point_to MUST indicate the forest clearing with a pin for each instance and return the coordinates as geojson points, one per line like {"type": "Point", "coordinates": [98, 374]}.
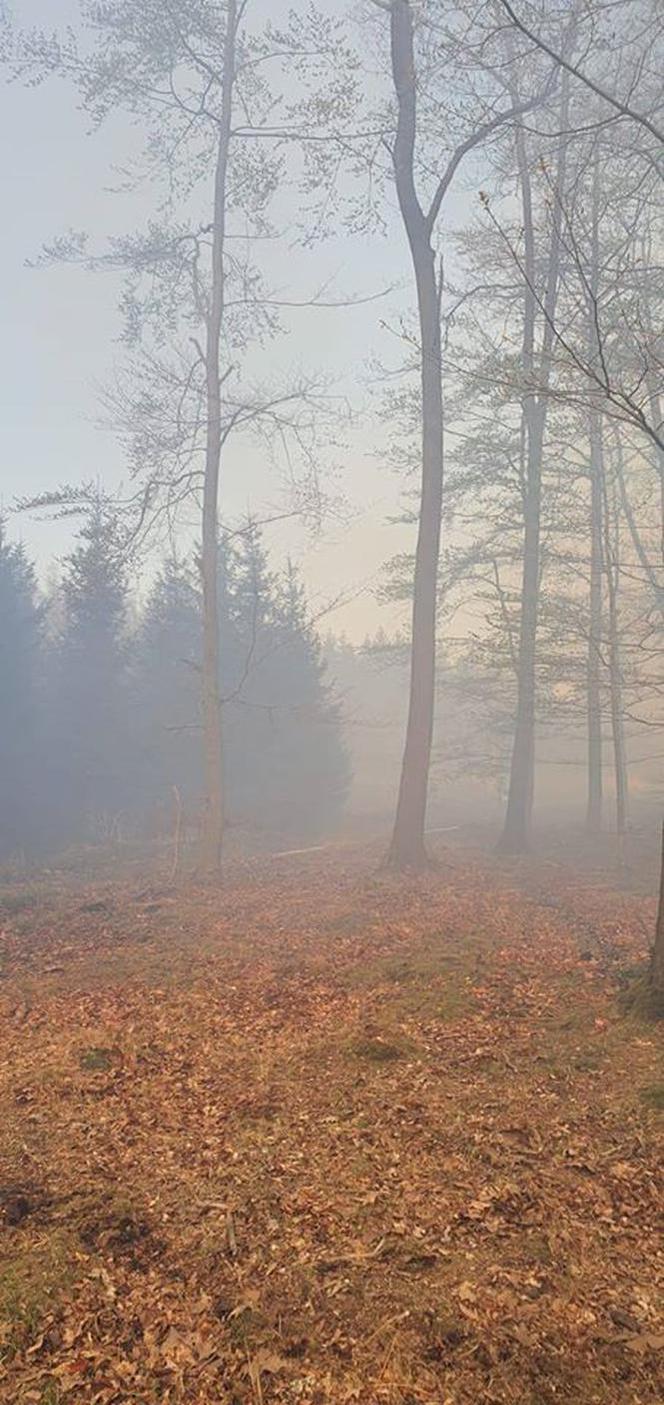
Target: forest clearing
{"type": "Point", "coordinates": [330, 1135]}
{"type": "Point", "coordinates": [332, 702]}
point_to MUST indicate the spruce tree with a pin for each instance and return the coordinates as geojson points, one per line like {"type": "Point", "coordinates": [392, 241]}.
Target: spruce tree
{"type": "Point", "coordinates": [166, 691]}
{"type": "Point", "coordinates": [21, 621]}
{"type": "Point", "coordinates": [246, 591]}
{"type": "Point", "coordinates": [286, 766]}
{"type": "Point", "coordinates": [311, 763]}
{"type": "Point", "coordinates": [90, 696]}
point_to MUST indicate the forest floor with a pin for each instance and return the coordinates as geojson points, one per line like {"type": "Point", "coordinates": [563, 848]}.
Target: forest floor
{"type": "Point", "coordinates": [326, 1135]}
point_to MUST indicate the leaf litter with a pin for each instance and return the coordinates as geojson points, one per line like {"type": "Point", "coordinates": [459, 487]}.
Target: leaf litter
{"type": "Point", "coordinates": [328, 1136]}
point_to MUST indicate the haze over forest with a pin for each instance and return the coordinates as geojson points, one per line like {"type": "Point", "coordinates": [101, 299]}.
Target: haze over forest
{"type": "Point", "coordinates": [529, 193]}
{"type": "Point", "coordinates": [332, 702]}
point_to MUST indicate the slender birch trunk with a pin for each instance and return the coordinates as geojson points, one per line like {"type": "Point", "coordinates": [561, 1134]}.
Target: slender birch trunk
{"type": "Point", "coordinates": [611, 558]}
{"type": "Point", "coordinates": [655, 404]}
{"type": "Point", "coordinates": [594, 664]}
{"type": "Point", "coordinates": [213, 818]}
{"type": "Point", "coordinates": [515, 837]}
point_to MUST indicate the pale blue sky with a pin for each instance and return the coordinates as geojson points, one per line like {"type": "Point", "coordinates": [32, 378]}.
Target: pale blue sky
{"type": "Point", "coordinates": [61, 327]}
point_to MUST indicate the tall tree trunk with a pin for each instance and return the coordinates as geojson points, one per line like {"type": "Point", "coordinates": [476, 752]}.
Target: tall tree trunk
{"type": "Point", "coordinates": [656, 976]}
{"type": "Point", "coordinates": [615, 671]}
{"type": "Point", "coordinates": [618, 731]}
{"type": "Point", "coordinates": [647, 567]}
{"type": "Point", "coordinates": [515, 837]}
{"type": "Point", "coordinates": [594, 806]}
{"type": "Point", "coordinates": [213, 816]}
{"type": "Point", "coordinates": [656, 418]}
{"type": "Point", "coordinates": [594, 665]}
{"type": "Point", "coordinates": [654, 396]}
{"type": "Point", "coordinates": [408, 844]}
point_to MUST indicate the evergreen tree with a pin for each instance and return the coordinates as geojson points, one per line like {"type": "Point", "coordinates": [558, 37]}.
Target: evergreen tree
{"type": "Point", "coordinates": [166, 690]}
{"type": "Point", "coordinates": [312, 763]}
{"type": "Point", "coordinates": [246, 600]}
{"type": "Point", "coordinates": [21, 621]}
{"type": "Point", "coordinates": [122, 727]}
{"type": "Point", "coordinates": [286, 765]}
{"type": "Point", "coordinates": [90, 697]}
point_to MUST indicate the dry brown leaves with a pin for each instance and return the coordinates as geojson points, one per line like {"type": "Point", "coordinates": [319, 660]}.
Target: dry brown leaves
{"type": "Point", "coordinates": [326, 1137]}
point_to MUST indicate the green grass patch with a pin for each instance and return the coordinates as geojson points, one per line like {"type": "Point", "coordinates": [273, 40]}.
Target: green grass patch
{"type": "Point", "coordinates": [31, 1284]}
{"type": "Point", "coordinates": [14, 901]}
{"type": "Point", "coordinates": [428, 982]}
{"type": "Point", "coordinates": [384, 1048]}
{"type": "Point", "coordinates": [638, 998]}
{"type": "Point", "coordinates": [96, 1060]}
{"type": "Point", "coordinates": [653, 1096]}
{"type": "Point", "coordinates": [587, 1062]}
{"type": "Point", "coordinates": [51, 1394]}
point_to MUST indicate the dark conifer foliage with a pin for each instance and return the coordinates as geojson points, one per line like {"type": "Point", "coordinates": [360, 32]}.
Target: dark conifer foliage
{"type": "Point", "coordinates": [165, 691]}
{"type": "Point", "coordinates": [285, 767]}
{"type": "Point", "coordinates": [21, 632]}
{"type": "Point", "coordinates": [100, 721]}
{"type": "Point", "coordinates": [89, 697]}
{"type": "Point", "coordinates": [286, 763]}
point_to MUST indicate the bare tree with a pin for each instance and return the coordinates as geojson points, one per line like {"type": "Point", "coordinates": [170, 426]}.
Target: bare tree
{"type": "Point", "coordinates": [576, 68]}
{"type": "Point", "coordinates": [611, 549]}
{"type": "Point", "coordinates": [596, 468]}
{"type": "Point", "coordinates": [603, 354]}
{"type": "Point", "coordinates": [213, 827]}
{"type": "Point", "coordinates": [537, 369]}
{"type": "Point", "coordinates": [420, 218]}
{"type": "Point", "coordinates": [193, 73]}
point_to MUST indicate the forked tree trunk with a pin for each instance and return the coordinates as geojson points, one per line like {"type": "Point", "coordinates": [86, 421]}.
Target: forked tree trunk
{"type": "Point", "coordinates": [408, 848]}
{"type": "Point", "coordinates": [515, 837]}
{"type": "Point", "coordinates": [213, 815]}
{"type": "Point", "coordinates": [408, 838]}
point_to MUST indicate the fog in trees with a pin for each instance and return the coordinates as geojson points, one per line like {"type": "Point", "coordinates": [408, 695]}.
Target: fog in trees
{"type": "Point", "coordinates": [332, 701]}
{"type": "Point", "coordinates": [508, 388]}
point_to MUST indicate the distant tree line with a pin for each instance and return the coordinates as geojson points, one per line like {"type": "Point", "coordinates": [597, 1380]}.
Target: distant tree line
{"type": "Point", "coordinates": [100, 699]}
{"type": "Point", "coordinates": [526, 396]}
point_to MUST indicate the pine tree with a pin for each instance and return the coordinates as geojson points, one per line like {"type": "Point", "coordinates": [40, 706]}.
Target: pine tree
{"type": "Point", "coordinates": [246, 621]}
{"type": "Point", "coordinates": [286, 764]}
{"type": "Point", "coordinates": [312, 758]}
{"type": "Point", "coordinates": [285, 767]}
{"type": "Point", "coordinates": [91, 724]}
{"type": "Point", "coordinates": [166, 690]}
{"type": "Point", "coordinates": [21, 621]}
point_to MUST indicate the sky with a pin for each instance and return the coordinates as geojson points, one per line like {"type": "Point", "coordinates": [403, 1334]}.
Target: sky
{"type": "Point", "coordinates": [61, 345]}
